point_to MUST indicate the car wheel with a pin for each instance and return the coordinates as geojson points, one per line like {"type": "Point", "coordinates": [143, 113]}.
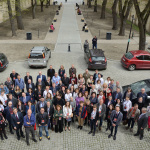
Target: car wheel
{"type": "Point", "coordinates": [132, 67]}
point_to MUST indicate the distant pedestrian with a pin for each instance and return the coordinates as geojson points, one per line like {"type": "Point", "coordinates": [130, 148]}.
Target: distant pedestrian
{"type": "Point", "coordinates": [94, 42]}
{"type": "Point", "coordinates": [86, 46]}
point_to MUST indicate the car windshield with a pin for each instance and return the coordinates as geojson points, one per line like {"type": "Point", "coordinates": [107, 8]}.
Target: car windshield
{"type": "Point", "coordinates": [98, 58]}
{"type": "Point", "coordinates": [136, 87]}
{"type": "Point", "coordinates": [128, 55]}
{"type": "Point", "coordinates": [36, 55]}
{"type": "Point", "coordinates": [2, 58]}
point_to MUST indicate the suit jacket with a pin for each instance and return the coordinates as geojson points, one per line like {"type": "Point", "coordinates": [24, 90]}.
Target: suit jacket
{"type": "Point", "coordinates": [65, 81]}
{"type": "Point", "coordinates": [51, 112]}
{"type": "Point", "coordinates": [119, 117]}
{"type": "Point", "coordinates": [94, 77]}
{"type": "Point", "coordinates": [28, 98]}
{"type": "Point", "coordinates": [97, 114]}
{"type": "Point", "coordinates": [50, 73]}
{"type": "Point", "coordinates": [118, 97]}
{"type": "Point", "coordinates": [38, 106]}
{"type": "Point", "coordinates": [142, 122]}
{"type": "Point", "coordinates": [42, 85]}
{"type": "Point", "coordinates": [26, 79]}
{"type": "Point", "coordinates": [61, 72]}
{"type": "Point", "coordinates": [20, 84]}
{"type": "Point", "coordinates": [131, 95]}
{"type": "Point", "coordinates": [7, 113]}
{"type": "Point", "coordinates": [37, 95]}
{"type": "Point", "coordinates": [72, 71]}
{"type": "Point", "coordinates": [14, 102]}
{"type": "Point", "coordinates": [13, 76]}
{"type": "Point", "coordinates": [32, 108]}
{"type": "Point", "coordinates": [41, 117]}
{"type": "Point", "coordinates": [86, 76]}
{"type": "Point", "coordinates": [14, 120]}
{"type": "Point", "coordinates": [33, 87]}
{"type": "Point", "coordinates": [22, 110]}
{"type": "Point", "coordinates": [43, 78]}
{"type": "Point", "coordinates": [103, 111]}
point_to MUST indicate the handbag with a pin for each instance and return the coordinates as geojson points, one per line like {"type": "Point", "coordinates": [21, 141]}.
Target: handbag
{"type": "Point", "coordinates": [54, 121]}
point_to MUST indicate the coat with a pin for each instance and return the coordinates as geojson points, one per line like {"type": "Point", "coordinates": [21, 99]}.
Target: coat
{"type": "Point", "coordinates": [43, 78]}
{"type": "Point", "coordinates": [26, 79]}
{"type": "Point", "coordinates": [86, 76]}
{"type": "Point", "coordinates": [103, 111]}
{"type": "Point", "coordinates": [65, 81]}
{"type": "Point", "coordinates": [136, 115]}
{"type": "Point", "coordinates": [33, 87]}
{"type": "Point", "coordinates": [50, 73]}
{"type": "Point", "coordinates": [142, 122]}
{"type": "Point", "coordinates": [131, 96]}
{"type": "Point", "coordinates": [72, 71]}
{"type": "Point", "coordinates": [38, 106]}
{"type": "Point", "coordinates": [51, 111]}
{"type": "Point", "coordinates": [7, 113]}
{"type": "Point", "coordinates": [14, 102]}
{"type": "Point", "coordinates": [32, 108]}
{"type": "Point", "coordinates": [20, 84]}
{"type": "Point", "coordinates": [65, 111]}
{"type": "Point", "coordinates": [39, 118]}
{"type": "Point", "coordinates": [83, 113]}
{"type": "Point", "coordinates": [28, 98]}
{"type": "Point", "coordinates": [42, 85]}
{"type": "Point", "coordinates": [13, 76]}
{"type": "Point", "coordinates": [61, 72]}
{"type": "Point", "coordinates": [118, 97]}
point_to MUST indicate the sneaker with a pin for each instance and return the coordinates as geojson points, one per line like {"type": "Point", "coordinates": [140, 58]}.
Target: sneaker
{"type": "Point", "coordinates": [90, 132]}
{"type": "Point", "coordinates": [109, 136]}
{"type": "Point", "coordinates": [48, 137]}
{"type": "Point", "coordinates": [34, 140]}
{"type": "Point", "coordinates": [40, 138]}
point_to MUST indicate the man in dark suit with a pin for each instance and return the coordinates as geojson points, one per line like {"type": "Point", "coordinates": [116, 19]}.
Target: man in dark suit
{"type": "Point", "coordinates": [17, 122]}
{"type": "Point", "coordinates": [143, 95]}
{"type": "Point", "coordinates": [8, 111]}
{"type": "Point", "coordinates": [54, 89]}
{"type": "Point", "coordinates": [50, 111]}
{"type": "Point", "coordinates": [13, 100]}
{"type": "Point", "coordinates": [43, 77]}
{"type": "Point", "coordinates": [40, 104]}
{"type": "Point", "coordinates": [13, 76]}
{"type": "Point", "coordinates": [115, 118]}
{"type": "Point", "coordinates": [51, 72]}
{"type": "Point", "coordinates": [30, 85]}
{"type": "Point", "coordinates": [117, 95]}
{"type": "Point", "coordinates": [72, 71]}
{"type": "Point", "coordinates": [142, 123]}
{"type": "Point", "coordinates": [65, 80]}
{"type": "Point", "coordinates": [95, 76]}
{"type": "Point", "coordinates": [41, 83]}
{"type": "Point", "coordinates": [24, 99]}
{"type": "Point", "coordinates": [27, 77]}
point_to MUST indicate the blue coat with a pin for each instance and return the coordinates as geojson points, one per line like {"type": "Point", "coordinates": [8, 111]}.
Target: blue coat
{"type": "Point", "coordinates": [28, 98]}
{"type": "Point", "coordinates": [118, 97]}
{"type": "Point", "coordinates": [20, 84]}
{"type": "Point", "coordinates": [61, 72]}
{"type": "Point", "coordinates": [32, 121]}
{"type": "Point", "coordinates": [7, 113]}
{"type": "Point", "coordinates": [5, 89]}
{"type": "Point", "coordinates": [43, 78]}
{"type": "Point", "coordinates": [32, 108]}
{"type": "Point", "coordinates": [32, 96]}
{"type": "Point", "coordinates": [93, 101]}
{"type": "Point", "coordinates": [83, 113]}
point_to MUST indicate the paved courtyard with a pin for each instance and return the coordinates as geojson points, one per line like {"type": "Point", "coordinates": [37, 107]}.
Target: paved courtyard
{"type": "Point", "coordinates": [68, 33]}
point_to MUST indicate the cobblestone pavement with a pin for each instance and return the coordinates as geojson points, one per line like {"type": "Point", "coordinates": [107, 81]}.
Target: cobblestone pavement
{"type": "Point", "coordinates": [76, 139]}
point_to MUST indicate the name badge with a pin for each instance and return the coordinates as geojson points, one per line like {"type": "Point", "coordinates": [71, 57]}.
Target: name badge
{"type": "Point", "coordinates": [57, 82]}
{"type": "Point", "coordinates": [133, 116]}
{"type": "Point", "coordinates": [42, 121]}
{"type": "Point", "coordinates": [59, 118]}
{"type": "Point", "coordinates": [79, 113]}
{"type": "Point", "coordinates": [115, 119]}
{"type": "Point", "coordinates": [67, 114]}
{"type": "Point", "coordinates": [92, 118]}
{"type": "Point", "coordinates": [99, 112]}
{"type": "Point", "coordinates": [39, 95]}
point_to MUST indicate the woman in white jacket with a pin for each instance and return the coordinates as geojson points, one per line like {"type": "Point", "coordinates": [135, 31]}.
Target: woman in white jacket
{"type": "Point", "coordinates": [67, 112]}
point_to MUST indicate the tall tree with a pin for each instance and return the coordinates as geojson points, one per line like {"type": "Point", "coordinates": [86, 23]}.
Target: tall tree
{"type": "Point", "coordinates": [33, 4]}
{"type": "Point", "coordinates": [95, 6]}
{"type": "Point", "coordinates": [142, 21]}
{"type": "Point", "coordinates": [103, 9]}
{"type": "Point", "coordinates": [89, 4]}
{"type": "Point", "coordinates": [114, 15]}
{"type": "Point", "coordinates": [18, 15]}
{"type": "Point", "coordinates": [47, 3]}
{"type": "Point", "coordinates": [11, 18]}
{"type": "Point", "coordinates": [124, 13]}
{"type": "Point", "coordinates": [42, 3]}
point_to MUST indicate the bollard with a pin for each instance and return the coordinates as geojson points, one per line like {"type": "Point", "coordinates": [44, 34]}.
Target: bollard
{"type": "Point", "coordinates": [38, 33]}
{"type": "Point", "coordinates": [99, 33]}
{"type": "Point", "coordinates": [68, 47]}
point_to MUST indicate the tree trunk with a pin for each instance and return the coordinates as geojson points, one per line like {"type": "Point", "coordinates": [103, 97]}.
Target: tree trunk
{"type": "Point", "coordinates": [103, 9]}
{"type": "Point", "coordinates": [11, 18]}
{"type": "Point", "coordinates": [47, 3]}
{"type": "Point", "coordinates": [89, 4]}
{"type": "Point", "coordinates": [41, 6]}
{"type": "Point", "coordinates": [33, 4]}
{"type": "Point", "coordinates": [95, 6]}
{"type": "Point", "coordinates": [114, 15]}
{"type": "Point", "coordinates": [18, 15]}
{"type": "Point", "coordinates": [122, 27]}
{"type": "Point", "coordinates": [142, 38]}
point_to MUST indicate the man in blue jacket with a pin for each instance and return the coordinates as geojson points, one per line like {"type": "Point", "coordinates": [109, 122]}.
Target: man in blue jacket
{"type": "Point", "coordinates": [29, 122]}
{"type": "Point", "coordinates": [17, 122]}
{"type": "Point", "coordinates": [24, 99]}
{"type": "Point", "coordinates": [117, 95]}
{"type": "Point", "coordinates": [43, 77]}
{"type": "Point", "coordinates": [20, 82]}
{"type": "Point", "coordinates": [143, 95]}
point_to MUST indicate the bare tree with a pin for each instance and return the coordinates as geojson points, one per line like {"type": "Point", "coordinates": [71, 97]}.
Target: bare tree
{"type": "Point", "coordinates": [124, 13]}
{"type": "Point", "coordinates": [33, 4]}
{"type": "Point", "coordinates": [95, 6]}
{"type": "Point", "coordinates": [89, 4]}
{"type": "Point", "coordinates": [18, 15]}
{"type": "Point", "coordinates": [42, 3]}
{"type": "Point", "coordinates": [114, 15]}
{"type": "Point", "coordinates": [103, 9]}
{"type": "Point", "coordinates": [142, 21]}
{"type": "Point", "coordinates": [11, 18]}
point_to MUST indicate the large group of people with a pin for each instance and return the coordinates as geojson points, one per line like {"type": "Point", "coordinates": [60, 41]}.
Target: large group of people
{"type": "Point", "coordinates": [57, 100]}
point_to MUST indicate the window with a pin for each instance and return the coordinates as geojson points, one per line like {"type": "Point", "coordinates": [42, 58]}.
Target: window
{"type": "Point", "coordinates": [98, 58]}
{"type": "Point", "coordinates": [36, 55]}
{"type": "Point", "coordinates": [129, 55]}
{"type": "Point", "coordinates": [147, 57]}
{"type": "Point", "coordinates": [140, 57]}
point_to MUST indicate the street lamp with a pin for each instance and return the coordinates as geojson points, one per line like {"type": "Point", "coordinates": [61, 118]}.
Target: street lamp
{"type": "Point", "coordinates": [130, 34]}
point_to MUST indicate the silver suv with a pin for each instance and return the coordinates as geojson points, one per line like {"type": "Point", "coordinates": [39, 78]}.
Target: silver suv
{"type": "Point", "coordinates": [39, 56]}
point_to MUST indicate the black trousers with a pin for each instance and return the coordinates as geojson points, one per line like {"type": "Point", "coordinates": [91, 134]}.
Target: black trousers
{"type": "Point", "coordinates": [19, 128]}
{"type": "Point", "coordinates": [59, 126]}
{"type": "Point", "coordinates": [93, 124]}
{"type": "Point", "coordinates": [67, 122]}
{"type": "Point", "coordinates": [112, 128]}
{"type": "Point", "coordinates": [131, 121]}
{"type": "Point", "coordinates": [140, 131]}
{"type": "Point", "coordinates": [87, 119]}
{"type": "Point", "coordinates": [28, 130]}
{"type": "Point", "coordinates": [124, 115]}
{"type": "Point", "coordinates": [108, 123]}
{"type": "Point", "coordinates": [2, 131]}
{"type": "Point", "coordinates": [10, 126]}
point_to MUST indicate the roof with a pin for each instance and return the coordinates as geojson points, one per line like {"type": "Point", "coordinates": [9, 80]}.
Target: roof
{"type": "Point", "coordinates": [38, 48]}
{"type": "Point", "coordinates": [97, 52]}
{"type": "Point", "coordinates": [138, 52]}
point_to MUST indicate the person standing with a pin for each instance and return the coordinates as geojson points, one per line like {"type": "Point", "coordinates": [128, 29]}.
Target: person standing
{"type": "Point", "coordinates": [86, 76]}
{"type": "Point", "coordinates": [13, 76]}
{"type": "Point", "coordinates": [142, 123]}
{"type": "Point", "coordinates": [17, 122]}
{"type": "Point", "coordinates": [29, 122]}
{"type": "Point", "coordinates": [43, 77]}
{"type": "Point", "coordinates": [72, 71]}
{"type": "Point", "coordinates": [42, 122]}
{"type": "Point", "coordinates": [115, 118]}
{"type": "Point", "coordinates": [61, 71]}
{"type": "Point", "coordinates": [51, 72]}
{"type": "Point", "coordinates": [56, 79]}
{"type": "Point", "coordinates": [19, 81]}
{"type": "Point", "coordinates": [94, 42]}
{"type": "Point", "coordinates": [27, 77]}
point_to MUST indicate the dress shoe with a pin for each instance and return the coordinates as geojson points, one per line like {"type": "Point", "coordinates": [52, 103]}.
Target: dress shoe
{"type": "Point", "coordinates": [34, 140]}
{"type": "Point", "coordinates": [141, 137]}
{"type": "Point", "coordinates": [90, 132]}
{"type": "Point", "coordinates": [28, 143]}
{"type": "Point", "coordinates": [109, 136]}
{"type": "Point", "coordinates": [40, 138]}
{"type": "Point", "coordinates": [114, 137]}
{"type": "Point", "coordinates": [52, 129]}
{"type": "Point", "coordinates": [84, 124]}
{"type": "Point", "coordinates": [93, 134]}
{"type": "Point", "coordinates": [23, 136]}
{"type": "Point", "coordinates": [80, 127]}
{"type": "Point", "coordinates": [136, 134]}
{"type": "Point", "coordinates": [11, 132]}
{"type": "Point", "coordinates": [2, 137]}
{"type": "Point", "coordinates": [5, 136]}
{"type": "Point", "coordinates": [18, 138]}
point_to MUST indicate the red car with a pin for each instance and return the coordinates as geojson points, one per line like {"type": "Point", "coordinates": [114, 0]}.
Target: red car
{"type": "Point", "coordinates": [137, 59]}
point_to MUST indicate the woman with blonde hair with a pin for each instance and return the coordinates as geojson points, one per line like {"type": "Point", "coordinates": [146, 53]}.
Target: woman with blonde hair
{"type": "Point", "coordinates": [17, 92]}
{"type": "Point", "coordinates": [49, 98]}
{"type": "Point", "coordinates": [61, 71]}
{"type": "Point", "coordinates": [81, 80]}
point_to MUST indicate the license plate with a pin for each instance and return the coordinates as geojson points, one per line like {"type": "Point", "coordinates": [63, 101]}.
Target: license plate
{"type": "Point", "coordinates": [98, 63]}
{"type": "Point", "coordinates": [36, 60]}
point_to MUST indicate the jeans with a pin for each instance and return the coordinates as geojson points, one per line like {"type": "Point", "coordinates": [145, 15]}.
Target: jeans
{"type": "Point", "coordinates": [93, 124]}
{"type": "Point", "coordinates": [46, 130]}
{"type": "Point", "coordinates": [131, 122]}
{"type": "Point", "coordinates": [101, 121]}
{"type": "Point", "coordinates": [112, 128]}
{"type": "Point", "coordinates": [95, 45]}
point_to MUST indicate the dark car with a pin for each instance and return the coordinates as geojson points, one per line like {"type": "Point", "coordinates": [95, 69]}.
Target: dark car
{"type": "Point", "coordinates": [138, 59]}
{"type": "Point", "coordinates": [3, 62]}
{"type": "Point", "coordinates": [136, 88]}
{"type": "Point", "coordinates": [95, 59]}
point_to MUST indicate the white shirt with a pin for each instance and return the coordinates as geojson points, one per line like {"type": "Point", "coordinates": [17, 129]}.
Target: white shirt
{"type": "Point", "coordinates": [67, 111]}
{"type": "Point", "coordinates": [93, 115]}
{"type": "Point", "coordinates": [127, 105]}
{"type": "Point", "coordinates": [101, 79]}
{"type": "Point", "coordinates": [3, 99]}
{"type": "Point", "coordinates": [98, 87]}
{"type": "Point", "coordinates": [45, 93]}
{"type": "Point", "coordinates": [107, 82]}
{"type": "Point", "coordinates": [1, 107]}
{"type": "Point", "coordinates": [100, 108]}
{"type": "Point", "coordinates": [75, 95]}
{"type": "Point", "coordinates": [68, 96]}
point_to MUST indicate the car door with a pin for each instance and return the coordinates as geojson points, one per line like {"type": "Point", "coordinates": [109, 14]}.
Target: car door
{"type": "Point", "coordinates": [146, 61]}
{"type": "Point", "coordinates": [139, 61]}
